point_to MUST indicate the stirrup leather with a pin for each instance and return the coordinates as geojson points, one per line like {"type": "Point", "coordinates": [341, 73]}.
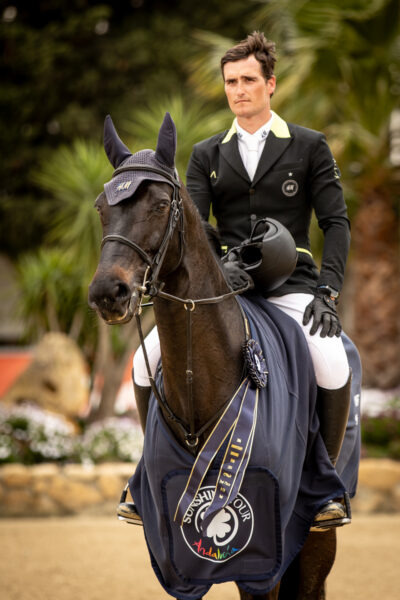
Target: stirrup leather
{"type": "Point", "coordinates": [127, 511]}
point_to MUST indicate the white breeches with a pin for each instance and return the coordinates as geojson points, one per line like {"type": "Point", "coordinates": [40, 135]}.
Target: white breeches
{"type": "Point", "coordinates": [328, 354]}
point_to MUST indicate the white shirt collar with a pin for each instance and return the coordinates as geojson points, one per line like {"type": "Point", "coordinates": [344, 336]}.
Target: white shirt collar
{"type": "Point", "coordinates": [258, 136]}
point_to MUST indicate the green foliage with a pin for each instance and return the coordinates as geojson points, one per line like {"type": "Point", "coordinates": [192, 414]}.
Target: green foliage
{"type": "Point", "coordinates": [30, 436]}
{"type": "Point", "coordinates": [73, 177]}
{"type": "Point", "coordinates": [338, 71]}
{"type": "Point", "coordinates": [54, 279]}
{"type": "Point", "coordinates": [65, 65]}
{"type": "Point", "coordinates": [342, 58]}
{"type": "Point", "coordinates": [381, 432]}
{"type": "Point", "coordinates": [50, 286]}
{"type": "Point", "coordinates": [193, 121]}
{"type": "Point", "coordinates": [205, 66]}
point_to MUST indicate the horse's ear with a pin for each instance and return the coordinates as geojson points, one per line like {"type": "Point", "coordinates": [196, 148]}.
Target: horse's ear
{"type": "Point", "coordinates": [166, 143]}
{"type": "Point", "coordinates": [115, 149]}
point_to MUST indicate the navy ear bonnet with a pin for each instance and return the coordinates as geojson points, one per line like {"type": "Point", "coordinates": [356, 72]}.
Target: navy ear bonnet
{"type": "Point", "coordinates": [124, 185]}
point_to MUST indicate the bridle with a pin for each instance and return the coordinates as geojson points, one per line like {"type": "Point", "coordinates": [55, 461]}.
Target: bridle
{"type": "Point", "coordinates": [175, 217]}
{"type": "Point", "coordinates": [152, 287]}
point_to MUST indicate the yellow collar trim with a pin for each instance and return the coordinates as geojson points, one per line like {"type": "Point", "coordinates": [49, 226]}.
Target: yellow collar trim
{"type": "Point", "coordinates": [279, 128]}
{"type": "Point", "coordinates": [230, 133]}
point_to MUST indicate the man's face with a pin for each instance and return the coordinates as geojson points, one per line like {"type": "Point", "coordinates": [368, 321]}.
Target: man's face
{"type": "Point", "coordinates": [246, 89]}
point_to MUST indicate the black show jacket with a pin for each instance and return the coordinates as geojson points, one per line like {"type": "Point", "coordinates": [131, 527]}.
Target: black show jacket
{"type": "Point", "coordinates": [295, 175]}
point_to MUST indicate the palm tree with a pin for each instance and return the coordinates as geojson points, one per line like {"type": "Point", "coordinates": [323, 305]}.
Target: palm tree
{"type": "Point", "coordinates": [338, 71]}
{"type": "Point", "coordinates": [194, 121]}
{"type": "Point", "coordinates": [50, 293]}
{"type": "Point", "coordinates": [55, 280]}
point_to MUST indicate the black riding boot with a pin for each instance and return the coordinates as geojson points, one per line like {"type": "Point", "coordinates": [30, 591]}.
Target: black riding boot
{"type": "Point", "coordinates": [127, 511]}
{"type": "Point", "coordinates": [333, 408]}
{"type": "Point", "coordinates": [142, 396]}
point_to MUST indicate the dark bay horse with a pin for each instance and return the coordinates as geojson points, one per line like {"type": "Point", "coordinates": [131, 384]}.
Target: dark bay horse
{"type": "Point", "coordinates": [154, 242]}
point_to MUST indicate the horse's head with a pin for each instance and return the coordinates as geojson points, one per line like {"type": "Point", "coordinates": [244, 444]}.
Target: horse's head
{"type": "Point", "coordinates": [141, 213]}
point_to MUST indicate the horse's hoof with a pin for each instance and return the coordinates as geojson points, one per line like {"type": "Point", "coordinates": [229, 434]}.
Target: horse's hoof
{"type": "Point", "coordinates": [333, 514]}
{"type": "Point", "coordinates": [127, 512]}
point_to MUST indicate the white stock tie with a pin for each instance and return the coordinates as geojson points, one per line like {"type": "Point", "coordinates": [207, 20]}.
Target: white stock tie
{"type": "Point", "coordinates": [252, 157]}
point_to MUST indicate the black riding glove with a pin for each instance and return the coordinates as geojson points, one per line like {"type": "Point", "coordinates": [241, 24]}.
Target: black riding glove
{"type": "Point", "coordinates": [323, 311]}
{"type": "Point", "coordinates": [236, 276]}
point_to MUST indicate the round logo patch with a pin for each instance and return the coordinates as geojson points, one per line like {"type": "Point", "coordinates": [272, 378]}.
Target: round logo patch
{"type": "Point", "coordinates": [290, 187]}
{"type": "Point", "coordinates": [227, 534]}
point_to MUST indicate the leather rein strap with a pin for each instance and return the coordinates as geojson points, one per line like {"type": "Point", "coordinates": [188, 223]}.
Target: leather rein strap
{"type": "Point", "coordinates": [153, 288]}
{"type": "Point", "coordinates": [190, 434]}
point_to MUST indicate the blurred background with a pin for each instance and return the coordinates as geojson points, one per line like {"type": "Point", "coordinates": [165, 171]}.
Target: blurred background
{"type": "Point", "coordinates": [64, 66]}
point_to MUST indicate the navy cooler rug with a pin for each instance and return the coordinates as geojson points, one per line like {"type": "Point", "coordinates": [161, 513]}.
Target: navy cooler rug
{"type": "Point", "coordinates": [289, 476]}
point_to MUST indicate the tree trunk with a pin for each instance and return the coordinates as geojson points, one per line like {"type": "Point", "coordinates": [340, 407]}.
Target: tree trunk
{"type": "Point", "coordinates": [377, 289]}
{"type": "Point", "coordinates": [110, 367]}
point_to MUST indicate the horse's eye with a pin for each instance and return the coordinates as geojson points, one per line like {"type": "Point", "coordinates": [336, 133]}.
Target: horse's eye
{"type": "Point", "coordinates": [162, 206]}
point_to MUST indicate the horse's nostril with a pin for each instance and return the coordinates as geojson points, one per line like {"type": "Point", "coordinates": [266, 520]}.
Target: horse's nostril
{"type": "Point", "coordinates": [122, 291]}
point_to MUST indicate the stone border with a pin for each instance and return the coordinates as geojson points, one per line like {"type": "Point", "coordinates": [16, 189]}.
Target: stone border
{"type": "Point", "coordinates": [378, 486]}
{"type": "Point", "coordinates": [55, 490]}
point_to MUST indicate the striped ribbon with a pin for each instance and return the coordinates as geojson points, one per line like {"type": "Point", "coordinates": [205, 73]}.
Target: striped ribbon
{"type": "Point", "coordinates": [237, 421]}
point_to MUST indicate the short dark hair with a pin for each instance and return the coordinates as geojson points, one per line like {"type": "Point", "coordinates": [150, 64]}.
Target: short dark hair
{"type": "Point", "coordinates": [256, 43]}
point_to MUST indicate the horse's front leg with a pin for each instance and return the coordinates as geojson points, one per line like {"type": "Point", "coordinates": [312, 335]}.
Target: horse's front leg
{"type": "Point", "coordinates": [315, 562]}
{"type": "Point", "coordinates": [272, 595]}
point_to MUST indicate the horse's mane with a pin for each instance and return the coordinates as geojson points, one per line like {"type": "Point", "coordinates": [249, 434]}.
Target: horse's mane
{"type": "Point", "coordinates": [213, 237]}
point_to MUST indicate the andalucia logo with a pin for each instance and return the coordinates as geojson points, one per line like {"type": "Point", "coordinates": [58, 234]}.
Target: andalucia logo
{"type": "Point", "coordinates": [228, 533]}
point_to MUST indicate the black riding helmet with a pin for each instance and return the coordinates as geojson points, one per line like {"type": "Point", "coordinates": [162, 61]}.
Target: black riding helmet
{"type": "Point", "coordinates": [269, 255]}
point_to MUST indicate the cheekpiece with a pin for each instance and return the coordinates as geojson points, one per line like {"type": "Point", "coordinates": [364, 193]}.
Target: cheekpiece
{"type": "Point", "coordinates": [255, 363]}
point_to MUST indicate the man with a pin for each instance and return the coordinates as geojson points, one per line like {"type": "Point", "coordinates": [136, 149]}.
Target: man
{"type": "Point", "coordinates": [264, 167]}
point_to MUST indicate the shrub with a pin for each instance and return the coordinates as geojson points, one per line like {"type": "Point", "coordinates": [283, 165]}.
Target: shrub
{"type": "Point", "coordinates": [114, 439]}
{"type": "Point", "coordinates": [381, 432]}
{"type": "Point", "coordinates": [30, 435]}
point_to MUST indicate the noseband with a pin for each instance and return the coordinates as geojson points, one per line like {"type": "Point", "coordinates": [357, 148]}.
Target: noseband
{"type": "Point", "coordinates": [175, 216]}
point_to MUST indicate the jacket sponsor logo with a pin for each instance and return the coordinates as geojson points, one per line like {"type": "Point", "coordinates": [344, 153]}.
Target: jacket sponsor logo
{"type": "Point", "coordinates": [228, 533]}
{"type": "Point", "coordinates": [336, 170]}
{"type": "Point", "coordinates": [290, 187]}
{"type": "Point", "coordinates": [213, 175]}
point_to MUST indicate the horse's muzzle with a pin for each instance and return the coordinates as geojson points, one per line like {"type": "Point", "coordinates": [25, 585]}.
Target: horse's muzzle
{"type": "Point", "coordinates": [115, 303]}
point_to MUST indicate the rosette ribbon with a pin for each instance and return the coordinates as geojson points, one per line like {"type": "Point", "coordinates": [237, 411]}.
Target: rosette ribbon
{"type": "Point", "coordinates": [237, 424]}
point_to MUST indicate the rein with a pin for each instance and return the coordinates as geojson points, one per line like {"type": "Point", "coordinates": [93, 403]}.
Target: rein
{"type": "Point", "coordinates": [151, 287]}
{"type": "Point", "coordinates": [190, 434]}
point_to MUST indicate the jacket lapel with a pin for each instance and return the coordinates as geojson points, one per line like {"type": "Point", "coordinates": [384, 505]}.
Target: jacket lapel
{"type": "Point", "coordinates": [276, 143]}
{"type": "Point", "coordinates": [230, 151]}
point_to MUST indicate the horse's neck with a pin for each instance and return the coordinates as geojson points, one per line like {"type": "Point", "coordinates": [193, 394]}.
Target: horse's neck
{"type": "Point", "coordinates": [217, 335]}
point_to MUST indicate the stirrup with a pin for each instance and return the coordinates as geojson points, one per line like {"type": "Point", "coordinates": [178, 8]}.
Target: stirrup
{"type": "Point", "coordinates": [332, 514]}
{"type": "Point", "coordinates": [127, 511]}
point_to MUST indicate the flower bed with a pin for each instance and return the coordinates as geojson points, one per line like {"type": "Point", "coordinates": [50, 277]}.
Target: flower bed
{"type": "Point", "coordinates": [30, 436]}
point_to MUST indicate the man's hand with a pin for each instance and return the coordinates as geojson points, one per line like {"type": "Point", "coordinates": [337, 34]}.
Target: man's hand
{"type": "Point", "coordinates": [236, 276]}
{"type": "Point", "coordinates": [323, 311]}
